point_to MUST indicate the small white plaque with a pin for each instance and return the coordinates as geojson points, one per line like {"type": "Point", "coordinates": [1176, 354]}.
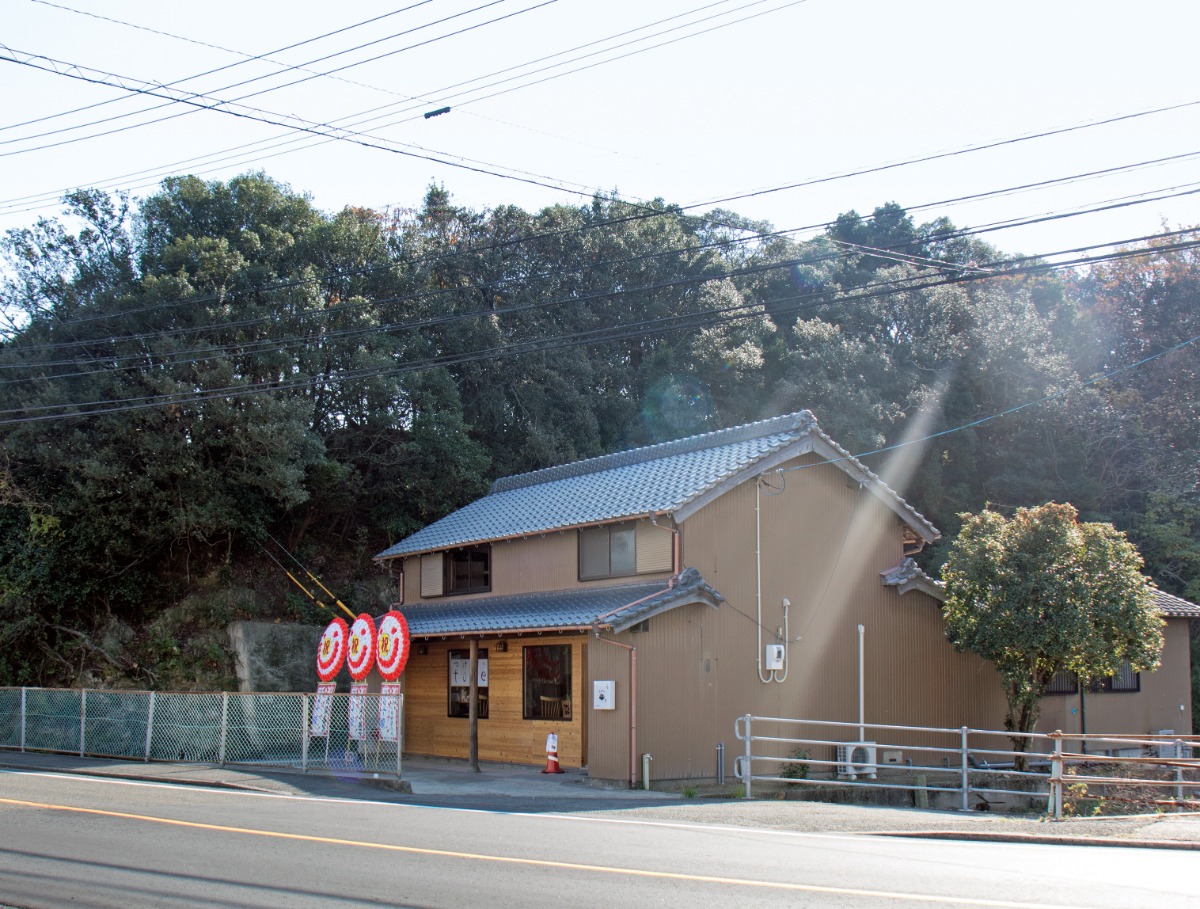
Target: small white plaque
{"type": "Point", "coordinates": [604, 695]}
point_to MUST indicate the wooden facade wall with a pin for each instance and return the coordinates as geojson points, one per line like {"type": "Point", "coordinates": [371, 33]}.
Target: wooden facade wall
{"type": "Point", "coordinates": [504, 735]}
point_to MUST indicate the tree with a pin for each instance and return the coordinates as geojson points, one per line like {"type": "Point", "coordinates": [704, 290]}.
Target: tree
{"type": "Point", "coordinates": [1043, 593]}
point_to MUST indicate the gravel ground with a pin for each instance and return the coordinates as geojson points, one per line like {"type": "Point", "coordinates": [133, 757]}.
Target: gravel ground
{"type": "Point", "coordinates": [818, 817]}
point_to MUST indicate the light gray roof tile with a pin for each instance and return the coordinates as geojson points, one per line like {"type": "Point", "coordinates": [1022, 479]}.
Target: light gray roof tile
{"type": "Point", "coordinates": [655, 479]}
{"type": "Point", "coordinates": [617, 607]}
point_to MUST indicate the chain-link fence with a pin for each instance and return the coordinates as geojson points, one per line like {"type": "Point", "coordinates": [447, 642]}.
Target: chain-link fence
{"type": "Point", "coordinates": [306, 732]}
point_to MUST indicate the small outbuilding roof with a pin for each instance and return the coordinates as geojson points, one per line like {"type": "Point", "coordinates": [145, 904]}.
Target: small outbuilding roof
{"type": "Point", "coordinates": [675, 478]}
{"type": "Point", "coordinates": [1175, 607]}
{"type": "Point", "coordinates": [616, 608]}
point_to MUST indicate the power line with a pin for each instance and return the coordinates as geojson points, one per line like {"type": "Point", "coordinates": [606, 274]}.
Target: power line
{"type": "Point", "coordinates": [422, 295]}
{"type": "Point", "coordinates": [350, 121]}
{"type": "Point", "coordinates": [171, 99]}
{"type": "Point", "coordinates": [1037, 402]}
{"type": "Point", "coordinates": [1021, 265]}
{"type": "Point", "coordinates": [71, 71]}
{"type": "Point", "coordinates": [248, 58]}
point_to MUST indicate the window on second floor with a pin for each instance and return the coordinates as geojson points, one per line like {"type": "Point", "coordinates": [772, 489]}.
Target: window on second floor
{"type": "Point", "coordinates": [1125, 679]}
{"type": "Point", "coordinates": [468, 570]}
{"type": "Point", "coordinates": [464, 570]}
{"type": "Point", "coordinates": [609, 551]}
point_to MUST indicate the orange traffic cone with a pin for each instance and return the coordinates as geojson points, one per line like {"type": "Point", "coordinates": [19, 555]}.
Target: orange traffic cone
{"type": "Point", "coordinates": [552, 754]}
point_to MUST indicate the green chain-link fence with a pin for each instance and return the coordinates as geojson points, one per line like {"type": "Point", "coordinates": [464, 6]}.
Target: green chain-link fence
{"type": "Point", "coordinates": [306, 732]}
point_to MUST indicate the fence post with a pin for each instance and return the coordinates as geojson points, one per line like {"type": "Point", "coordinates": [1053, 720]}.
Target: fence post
{"type": "Point", "coordinates": [23, 707]}
{"type": "Point", "coordinates": [1179, 775]}
{"type": "Point", "coordinates": [399, 732]}
{"type": "Point", "coordinates": [224, 727]}
{"type": "Point", "coordinates": [304, 733]}
{"type": "Point", "coordinates": [966, 778]}
{"type": "Point", "coordinates": [747, 771]}
{"type": "Point", "coordinates": [1056, 776]}
{"type": "Point", "coordinates": [149, 728]}
{"type": "Point", "coordinates": [82, 720]}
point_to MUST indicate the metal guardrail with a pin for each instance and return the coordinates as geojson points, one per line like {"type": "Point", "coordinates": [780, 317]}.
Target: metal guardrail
{"type": "Point", "coordinates": [333, 733]}
{"type": "Point", "coordinates": [972, 764]}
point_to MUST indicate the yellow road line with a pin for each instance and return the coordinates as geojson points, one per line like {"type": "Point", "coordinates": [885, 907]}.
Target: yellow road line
{"type": "Point", "coordinates": [545, 863]}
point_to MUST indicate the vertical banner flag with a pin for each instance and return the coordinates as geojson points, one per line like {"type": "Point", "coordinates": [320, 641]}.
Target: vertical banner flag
{"type": "Point", "coordinates": [322, 708]}
{"type": "Point", "coordinates": [355, 719]}
{"type": "Point", "coordinates": [389, 712]}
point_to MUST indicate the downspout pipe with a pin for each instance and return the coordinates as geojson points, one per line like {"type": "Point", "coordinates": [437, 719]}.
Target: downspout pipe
{"type": "Point", "coordinates": [674, 531]}
{"type": "Point", "coordinates": [632, 703]}
{"type": "Point", "coordinates": [758, 578]}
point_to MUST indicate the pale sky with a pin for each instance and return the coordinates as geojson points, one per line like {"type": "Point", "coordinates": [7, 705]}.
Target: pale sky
{"type": "Point", "coordinates": [775, 92]}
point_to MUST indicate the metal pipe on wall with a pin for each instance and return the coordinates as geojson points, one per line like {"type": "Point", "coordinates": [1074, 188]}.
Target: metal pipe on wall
{"type": "Point", "coordinates": [862, 722]}
{"type": "Point", "coordinates": [632, 705]}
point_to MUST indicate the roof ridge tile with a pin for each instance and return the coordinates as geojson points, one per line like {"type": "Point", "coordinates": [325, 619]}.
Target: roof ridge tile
{"type": "Point", "coordinates": [791, 422]}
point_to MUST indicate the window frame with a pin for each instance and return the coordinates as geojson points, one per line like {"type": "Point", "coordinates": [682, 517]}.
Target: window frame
{"type": "Point", "coordinates": [453, 558]}
{"type": "Point", "coordinates": [1067, 683]}
{"type": "Point", "coordinates": [1063, 683]}
{"type": "Point", "coordinates": [460, 708]}
{"type": "Point", "coordinates": [1126, 681]}
{"type": "Point", "coordinates": [559, 688]}
{"type": "Point", "coordinates": [607, 530]}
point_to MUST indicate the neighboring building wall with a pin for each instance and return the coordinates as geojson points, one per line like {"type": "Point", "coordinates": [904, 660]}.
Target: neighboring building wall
{"type": "Point", "coordinates": [504, 735]}
{"type": "Point", "coordinates": [1156, 706]}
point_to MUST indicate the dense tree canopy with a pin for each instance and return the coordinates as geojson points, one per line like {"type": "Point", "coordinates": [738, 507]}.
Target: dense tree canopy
{"type": "Point", "coordinates": [1043, 593]}
{"type": "Point", "coordinates": [183, 375]}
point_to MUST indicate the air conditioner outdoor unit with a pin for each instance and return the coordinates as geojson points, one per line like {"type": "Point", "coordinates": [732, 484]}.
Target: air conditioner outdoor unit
{"type": "Point", "coordinates": [855, 759]}
{"type": "Point", "coordinates": [1168, 750]}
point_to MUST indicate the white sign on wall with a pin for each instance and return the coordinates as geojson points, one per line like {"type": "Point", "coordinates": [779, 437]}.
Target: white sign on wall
{"type": "Point", "coordinates": [604, 695]}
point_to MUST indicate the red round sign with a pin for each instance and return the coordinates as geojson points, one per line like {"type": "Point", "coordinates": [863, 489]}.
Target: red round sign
{"type": "Point", "coordinates": [361, 647]}
{"type": "Point", "coordinates": [331, 651]}
{"type": "Point", "coordinates": [393, 647]}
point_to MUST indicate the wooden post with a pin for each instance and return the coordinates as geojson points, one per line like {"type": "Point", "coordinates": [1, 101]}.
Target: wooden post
{"type": "Point", "coordinates": [473, 708]}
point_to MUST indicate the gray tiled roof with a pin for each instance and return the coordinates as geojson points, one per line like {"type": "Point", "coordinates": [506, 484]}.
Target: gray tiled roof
{"type": "Point", "coordinates": [617, 607]}
{"type": "Point", "coordinates": [656, 479]}
{"type": "Point", "coordinates": [907, 575]}
{"type": "Point", "coordinates": [1175, 607]}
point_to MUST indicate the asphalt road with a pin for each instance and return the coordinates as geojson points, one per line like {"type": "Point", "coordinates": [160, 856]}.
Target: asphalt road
{"type": "Point", "coordinates": [82, 841]}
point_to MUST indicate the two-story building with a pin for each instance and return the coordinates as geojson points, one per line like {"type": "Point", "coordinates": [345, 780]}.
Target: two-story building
{"type": "Point", "coordinates": [642, 601]}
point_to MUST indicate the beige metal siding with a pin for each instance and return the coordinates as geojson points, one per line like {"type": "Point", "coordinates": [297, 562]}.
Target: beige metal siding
{"type": "Point", "coordinates": [549, 562]}
{"type": "Point", "coordinates": [824, 543]}
{"type": "Point", "coordinates": [431, 575]}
